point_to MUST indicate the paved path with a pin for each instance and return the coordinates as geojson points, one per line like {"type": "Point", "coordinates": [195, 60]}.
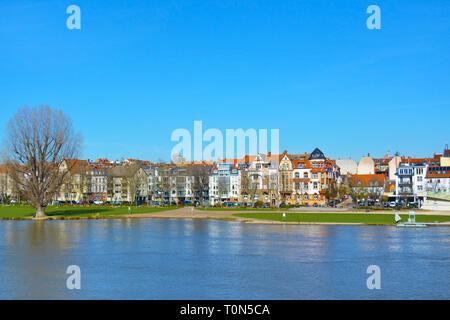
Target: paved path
{"type": "Point", "coordinates": [191, 213]}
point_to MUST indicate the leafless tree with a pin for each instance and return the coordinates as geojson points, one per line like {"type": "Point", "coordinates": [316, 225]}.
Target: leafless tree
{"type": "Point", "coordinates": [109, 185]}
{"type": "Point", "coordinates": [38, 140]}
{"type": "Point", "coordinates": [223, 188]}
{"type": "Point", "coordinates": [86, 183]}
{"type": "Point", "coordinates": [200, 182]}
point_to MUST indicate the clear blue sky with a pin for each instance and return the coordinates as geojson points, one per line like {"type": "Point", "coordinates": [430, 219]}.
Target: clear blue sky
{"type": "Point", "coordinates": [137, 70]}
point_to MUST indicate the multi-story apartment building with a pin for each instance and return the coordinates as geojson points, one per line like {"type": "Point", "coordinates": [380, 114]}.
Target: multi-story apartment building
{"type": "Point", "coordinates": [382, 165]}
{"type": "Point", "coordinates": [285, 179]}
{"type": "Point", "coordinates": [259, 180]}
{"type": "Point", "coordinates": [127, 184]}
{"type": "Point", "coordinates": [368, 187]}
{"type": "Point", "coordinates": [183, 183]}
{"type": "Point", "coordinates": [225, 183]}
{"type": "Point", "coordinates": [314, 180]}
{"type": "Point", "coordinates": [410, 183]}
{"type": "Point", "coordinates": [437, 180]}
{"type": "Point", "coordinates": [85, 181]}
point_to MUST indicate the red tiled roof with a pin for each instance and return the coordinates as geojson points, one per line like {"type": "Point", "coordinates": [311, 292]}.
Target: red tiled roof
{"type": "Point", "coordinates": [438, 172]}
{"type": "Point", "coordinates": [367, 180]}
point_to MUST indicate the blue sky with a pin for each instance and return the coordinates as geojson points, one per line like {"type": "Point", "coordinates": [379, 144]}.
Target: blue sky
{"type": "Point", "coordinates": [137, 70]}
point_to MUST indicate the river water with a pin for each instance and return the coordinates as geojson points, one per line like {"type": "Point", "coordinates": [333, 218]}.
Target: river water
{"type": "Point", "coordinates": [209, 259]}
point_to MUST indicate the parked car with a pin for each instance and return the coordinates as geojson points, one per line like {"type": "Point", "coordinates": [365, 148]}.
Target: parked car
{"type": "Point", "coordinates": [412, 205]}
{"type": "Point", "coordinates": [98, 202]}
{"type": "Point", "coordinates": [392, 204]}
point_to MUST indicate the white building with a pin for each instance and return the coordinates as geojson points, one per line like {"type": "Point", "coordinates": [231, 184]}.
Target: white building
{"type": "Point", "coordinates": [438, 188]}
{"type": "Point", "coordinates": [366, 166]}
{"type": "Point", "coordinates": [224, 183]}
{"type": "Point", "coordinates": [347, 166]}
{"type": "Point", "coordinates": [410, 182]}
{"type": "Point", "coordinates": [438, 180]}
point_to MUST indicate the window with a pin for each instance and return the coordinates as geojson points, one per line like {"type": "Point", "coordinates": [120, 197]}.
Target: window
{"type": "Point", "coordinates": [305, 175]}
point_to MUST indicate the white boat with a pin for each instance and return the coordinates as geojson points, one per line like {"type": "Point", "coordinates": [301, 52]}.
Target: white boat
{"type": "Point", "coordinates": [411, 223]}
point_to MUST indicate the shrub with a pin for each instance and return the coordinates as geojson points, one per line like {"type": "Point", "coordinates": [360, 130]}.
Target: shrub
{"type": "Point", "coordinates": [258, 204]}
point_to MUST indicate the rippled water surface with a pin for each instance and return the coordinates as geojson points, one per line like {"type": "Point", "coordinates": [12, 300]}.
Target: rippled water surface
{"type": "Point", "coordinates": [207, 259]}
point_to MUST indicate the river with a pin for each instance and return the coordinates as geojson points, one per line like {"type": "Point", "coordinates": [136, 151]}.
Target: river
{"type": "Point", "coordinates": [211, 259]}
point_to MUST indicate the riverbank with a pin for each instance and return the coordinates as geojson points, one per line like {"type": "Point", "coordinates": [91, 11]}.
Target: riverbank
{"type": "Point", "coordinates": [246, 216]}
{"type": "Point", "coordinates": [17, 212]}
{"type": "Point", "coordinates": [330, 218]}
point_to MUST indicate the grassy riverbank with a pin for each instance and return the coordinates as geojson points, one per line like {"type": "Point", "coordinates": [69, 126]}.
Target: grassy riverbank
{"type": "Point", "coordinates": [73, 212]}
{"type": "Point", "coordinates": [365, 218]}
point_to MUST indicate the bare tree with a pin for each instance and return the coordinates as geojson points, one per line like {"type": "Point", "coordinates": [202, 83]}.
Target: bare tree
{"type": "Point", "coordinates": [200, 182]}
{"type": "Point", "coordinates": [38, 140]}
{"type": "Point", "coordinates": [3, 184]}
{"type": "Point", "coordinates": [110, 185]}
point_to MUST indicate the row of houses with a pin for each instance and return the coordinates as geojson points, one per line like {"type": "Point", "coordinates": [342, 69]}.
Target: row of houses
{"type": "Point", "coordinates": [274, 179]}
{"type": "Point", "coordinates": [291, 179]}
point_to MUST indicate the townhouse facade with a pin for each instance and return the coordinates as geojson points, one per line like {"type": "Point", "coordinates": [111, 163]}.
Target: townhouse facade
{"type": "Point", "coordinates": [271, 180]}
{"type": "Point", "coordinates": [368, 187]}
{"type": "Point", "coordinates": [260, 180]}
{"type": "Point", "coordinates": [225, 183]}
{"type": "Point", "coordinates": [184, 183]}
{"type": "Point", "coordinates": [437, 180]}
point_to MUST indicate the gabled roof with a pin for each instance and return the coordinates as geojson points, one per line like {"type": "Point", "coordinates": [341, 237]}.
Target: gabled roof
{"type": "Point", "coordinates": [368, 180]}
{"type": "Point", "coordinates": [317, 155]}
{"type": "Point", "coordinates": [128, 171]}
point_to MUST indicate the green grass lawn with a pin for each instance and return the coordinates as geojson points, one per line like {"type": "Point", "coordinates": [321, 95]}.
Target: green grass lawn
{"type": "Point", "coordinates": [7, 212]}
{"type": "Point", "coordinates": [366, 218]}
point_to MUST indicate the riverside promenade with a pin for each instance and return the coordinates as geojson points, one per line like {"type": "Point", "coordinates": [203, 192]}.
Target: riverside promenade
{"type": "Point", "coordinates": [230, 215]}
